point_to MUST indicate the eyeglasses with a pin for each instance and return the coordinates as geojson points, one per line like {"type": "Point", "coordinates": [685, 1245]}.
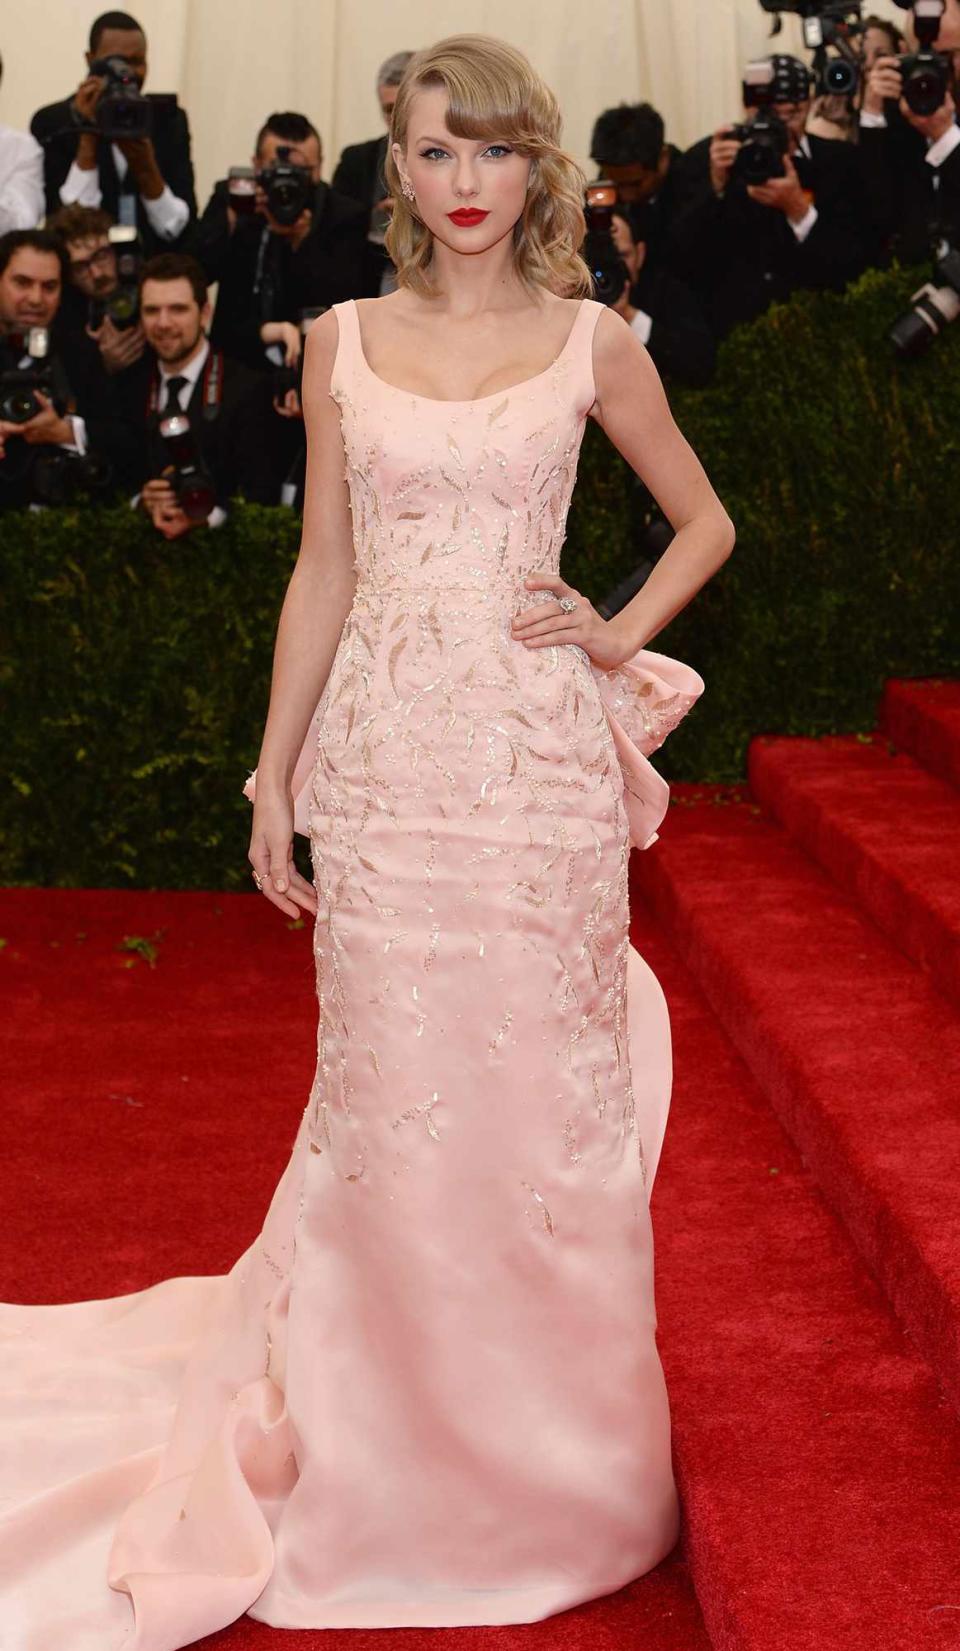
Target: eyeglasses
{"type": "Point", "coordinates": [80, 266]}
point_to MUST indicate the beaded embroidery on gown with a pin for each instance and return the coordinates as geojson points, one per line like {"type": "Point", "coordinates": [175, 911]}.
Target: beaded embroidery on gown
{"type": "Point", "coordinates": [429, 1393]}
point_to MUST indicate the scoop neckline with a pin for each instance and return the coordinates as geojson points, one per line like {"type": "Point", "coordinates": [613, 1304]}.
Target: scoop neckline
{"type": "Point", "coordinates": [471, 401]}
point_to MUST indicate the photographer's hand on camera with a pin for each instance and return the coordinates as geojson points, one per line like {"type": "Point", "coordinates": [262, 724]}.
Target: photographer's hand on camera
{"type": "Point", "coordinates": [85, 107]}
{"type": "Point", "coordinates": [932, 126]}
{"type": "Point", "coordinates": [120, 347]}
{"type": "Point", "coordinates": [883, 84]}
{"type": "Point", "coordinates": [49, 428]}
{"type": "Point", "coordinates": [784, 194]}
{"type": "Point", "coordinates": [723, 153]}
{"type": "Point", "coordinates": [159, 502]}
{"type": "Point", "coordinates": [141, 157]}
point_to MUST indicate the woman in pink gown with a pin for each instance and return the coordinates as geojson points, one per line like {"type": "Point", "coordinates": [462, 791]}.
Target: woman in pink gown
{"type": "Point", "coordinates": [429, 1392]}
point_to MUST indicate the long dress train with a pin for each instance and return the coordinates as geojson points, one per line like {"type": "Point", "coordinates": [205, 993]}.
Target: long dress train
{"type": "Point", "coordinates": [429, 1393]}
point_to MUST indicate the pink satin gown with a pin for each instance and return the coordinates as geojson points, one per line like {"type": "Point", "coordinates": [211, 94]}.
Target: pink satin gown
{"type": "Point", "coordinates": [429, 1392]}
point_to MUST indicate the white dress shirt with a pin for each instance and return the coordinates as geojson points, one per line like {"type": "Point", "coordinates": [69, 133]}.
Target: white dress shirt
{"type": "Point", "coordinates": [21, 180]}
{"type": "Point", "coordinates": [167, 215]}
{"type": "Point", "coordinates": [937, 151]}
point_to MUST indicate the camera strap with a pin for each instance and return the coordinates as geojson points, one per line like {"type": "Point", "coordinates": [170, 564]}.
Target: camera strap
{"type": "Point", "coordinates": [211, 388]}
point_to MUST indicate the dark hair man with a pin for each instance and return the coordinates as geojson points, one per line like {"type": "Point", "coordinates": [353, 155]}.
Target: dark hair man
{"type": "Point", "coordinates": [360, 175]}
{"type": "Point", "coordinates": [270, 270]}
{"type": "Point", "coordinates": [146, 181]}
{"type": "Point", "coordinates": [629, 147]}
{"type": "Point", "coordinates": [93, 278]}
{"type": "Point", "coordinates": [226, 405]}
{"type": "Point", "coordinates": [69, 416]}
{"type": "Point", "coordinates": [741, 246]}
{"type": "Point", "coordinates": [912, 162]}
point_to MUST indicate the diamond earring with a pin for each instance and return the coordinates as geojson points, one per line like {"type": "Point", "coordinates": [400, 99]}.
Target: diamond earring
{"type": "Point", "coordinates": [408, 191]}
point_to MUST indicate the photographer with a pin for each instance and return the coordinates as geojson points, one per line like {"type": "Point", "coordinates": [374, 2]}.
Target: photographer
{"type": "Point", "coordinates": [911, 155]}
{"type": "Point", "coordinates": [743, 245]}
{"type": "Point", "coordinates": [43, 410]}
{"type": "Point", "coordinates": [95, 289]}
{"type": "Point", "coordinates": [21, 179]}
{"type": "Point", "coordinates": [144, 179]}
{"type": "Point", "coordinates": [298, 246]}
{"type": "Point", "coordinates": [204, 421]}
{"type": "Point", "coordinates": [629, 148]}
{"type": "Point", "coordinates": [360, 175]}
{"type": "Point", "coordinates": [663, 312]}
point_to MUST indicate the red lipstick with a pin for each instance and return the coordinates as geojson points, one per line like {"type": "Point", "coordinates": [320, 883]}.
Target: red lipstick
{"type": "Point", "coordinates": [466, 216]}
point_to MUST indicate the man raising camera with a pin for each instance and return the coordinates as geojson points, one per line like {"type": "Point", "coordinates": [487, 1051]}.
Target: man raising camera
{"type": "Point", "coordinates": [203, 419]}
{"type": "Point", "coordinates": [284, 243]}
{"type": "Point", "coordinates": [909, 137]}
{"type": "Point", "coordinates": [144, 179]}
{"type": "Point", "coordinates": [97, 304]}
{"type": "Point", "coordinates": [785, 213]}
{"type": "Point", "coordinates": [46, 408]}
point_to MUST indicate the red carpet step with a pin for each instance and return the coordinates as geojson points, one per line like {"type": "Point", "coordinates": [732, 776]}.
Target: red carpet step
{"type": "Point", "coordinates": [857, 1053]}
{"type": "Point", "coordinates": [818, 1459]}
{"type": "Point", "coordinates": [157, 1051]}
{"type": "Point", "coordinates": [923, 718]}
{"type": "Point", "coordinates": [883, 827]}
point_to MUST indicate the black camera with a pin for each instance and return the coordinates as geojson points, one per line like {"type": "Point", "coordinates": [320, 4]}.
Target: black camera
{"type": "Point", "coordinates": [764, 140]}
{"type": "Point", "coordinates": [123, 303]}
{"type": "Point", "coordinates": [607, 269]}
{"type": "Point", "coordinates": [288, 187]}
{"type": "Point", "coordinates": [59, 477]}
{"type": "Point", "coordinates": [122, 110]}
{"type": "Point", "coordinates": [926, 73]}
{"type": "Point", "coordinates": [826, 24]}
{"type": "Point", "coordinates": [19, 401]}
{"type": "Point", "coordinates": [184, 467]}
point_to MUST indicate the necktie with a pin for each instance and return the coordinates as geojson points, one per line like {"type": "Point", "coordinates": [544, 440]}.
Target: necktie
{"type": "Point", "coordinates": [175, 386]}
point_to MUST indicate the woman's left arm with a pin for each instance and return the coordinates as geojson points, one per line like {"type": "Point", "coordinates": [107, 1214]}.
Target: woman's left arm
{"type": "Point", "coordinates": [632, 408]}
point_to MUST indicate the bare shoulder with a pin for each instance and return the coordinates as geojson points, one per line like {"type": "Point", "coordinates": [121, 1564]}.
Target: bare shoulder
{"type": "Point", "coordinates": [320, 347]}
{"type": "Point", "coordinates": [621, 363]}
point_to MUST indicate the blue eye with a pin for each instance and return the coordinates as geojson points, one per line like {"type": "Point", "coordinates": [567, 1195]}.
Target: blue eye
{"type": "Point", "coordinates": [425, 154]}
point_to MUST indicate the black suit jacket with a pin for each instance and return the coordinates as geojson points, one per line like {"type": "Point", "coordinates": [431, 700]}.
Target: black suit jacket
{"type": "Point", "coordinates": [360, 174]}
{"type": "Point", "coordinates": [739, 256]}
{"type": "Point", "coordinates": [81, 386]}
{"type": "Point", "coordinates": [240, 446]}
{"type": "Point", "coordinates": [325, 269]}
{"type": "Point", "coordinates": [681, 344]}
{"type": "Point", "coordinates": [908, 197]}
{"type": "Point", "coordinates": [55, 129]}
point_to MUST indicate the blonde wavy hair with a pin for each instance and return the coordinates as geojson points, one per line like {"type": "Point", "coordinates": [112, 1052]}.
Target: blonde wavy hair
{"type": "Point", "coordinates": [494, 92]}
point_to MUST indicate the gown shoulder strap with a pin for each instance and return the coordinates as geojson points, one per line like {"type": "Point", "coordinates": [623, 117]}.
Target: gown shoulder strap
{"type": "Point", "coordinates": [346, 356]}
{"type": "Point", "coordinates": [581, 349]}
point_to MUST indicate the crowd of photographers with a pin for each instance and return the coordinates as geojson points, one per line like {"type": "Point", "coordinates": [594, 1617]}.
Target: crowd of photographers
{"type": "Point", "coordinates": [119, 377]}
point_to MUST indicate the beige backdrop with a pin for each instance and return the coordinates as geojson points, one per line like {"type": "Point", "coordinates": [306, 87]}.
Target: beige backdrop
{"type": "Point", "coordinates": [233, 61]}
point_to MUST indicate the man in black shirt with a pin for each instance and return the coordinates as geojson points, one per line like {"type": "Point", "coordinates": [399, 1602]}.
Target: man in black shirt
{"type": "Point", "coordinates": [743, 246]}
{"type": "Point", "coordinates": [146, 182]}
{"type": "Point", "coordinates": [360, 174]}
{"type": "Point", "coordinates": [226, 407]}
{"type": "Point", "coordinates": [629, 148]}
{"type": "Point", "coordinates": [911, 161]}
{"type": "Point", "coordinates": [270, 271]}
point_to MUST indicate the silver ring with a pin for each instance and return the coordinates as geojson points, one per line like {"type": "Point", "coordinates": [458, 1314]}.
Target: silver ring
{"type": "Point", "coordinates": [568, 603]}
{"type": "Point", "coordinates": [258, 881]}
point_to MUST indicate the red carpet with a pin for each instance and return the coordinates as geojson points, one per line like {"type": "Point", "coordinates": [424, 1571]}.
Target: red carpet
{"type": "Point", "coordinates": [808, 1226]}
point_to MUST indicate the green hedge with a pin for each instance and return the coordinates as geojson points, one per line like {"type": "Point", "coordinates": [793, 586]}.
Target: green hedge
{"type": "Point", "coordinates": [136, 673]}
